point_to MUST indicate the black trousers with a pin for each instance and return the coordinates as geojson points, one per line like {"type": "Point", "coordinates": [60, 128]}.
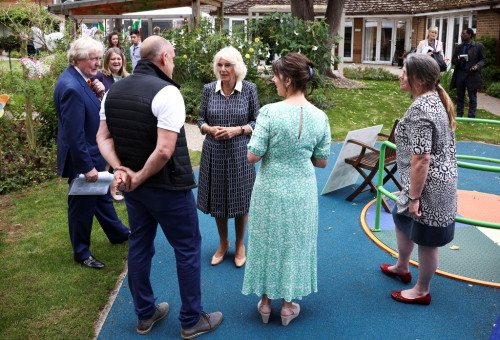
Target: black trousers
{"type": "Point", "coordinates": [462, 85]}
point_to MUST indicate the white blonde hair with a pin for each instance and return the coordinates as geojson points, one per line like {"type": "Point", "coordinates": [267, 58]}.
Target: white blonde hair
{"type": "Point", "coordinates": [81, 48]}
{"type": "Point", "coordinates": [232, 55]}
{"type": "Point", "coordinates": [432, 29]}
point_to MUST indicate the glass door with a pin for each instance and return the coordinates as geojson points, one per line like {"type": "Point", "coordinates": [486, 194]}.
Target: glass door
{"type": "Point", "coordinates": [386, 41]}
{"type": "Point", "coordinates": [371, 31]}
{"type": "Point", "coordinates": [378, 41]}
{"type": "Point", "coordinates": [348, 31]}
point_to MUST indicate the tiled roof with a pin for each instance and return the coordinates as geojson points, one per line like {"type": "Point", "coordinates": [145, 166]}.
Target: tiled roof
{"type": "Point", "coordinates": [367, 7]}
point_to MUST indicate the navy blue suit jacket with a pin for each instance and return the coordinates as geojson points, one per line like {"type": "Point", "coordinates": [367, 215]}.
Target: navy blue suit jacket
{"type": "Point", "coordinates": [78, 121]}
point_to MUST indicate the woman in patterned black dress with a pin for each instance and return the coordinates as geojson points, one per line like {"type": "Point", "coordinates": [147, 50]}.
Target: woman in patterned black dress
{"type": "Point", "coordinates": [227, 116]}
{"type": "Point", "coordinates": [426, 157]}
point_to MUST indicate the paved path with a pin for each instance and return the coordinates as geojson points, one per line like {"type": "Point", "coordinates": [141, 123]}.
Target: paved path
{"type": "Point", "coordinates": [194, 137]}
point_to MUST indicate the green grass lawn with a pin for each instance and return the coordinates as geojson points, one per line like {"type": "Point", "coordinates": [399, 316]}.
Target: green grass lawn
{"type": "Point", "coordinates": [44, 294]}
{"type": "Point", "coordinates": [16, 66]}
{"type": "Point", "coordinates": [382, 102]}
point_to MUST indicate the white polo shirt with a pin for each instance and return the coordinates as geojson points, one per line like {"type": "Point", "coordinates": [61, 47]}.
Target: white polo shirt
{"type": "Point", "coordinates": [167, 106]}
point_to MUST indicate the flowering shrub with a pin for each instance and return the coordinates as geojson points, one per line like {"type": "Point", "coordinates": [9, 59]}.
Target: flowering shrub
{"type": "Point", "coordinates": [284, 33]}
{"type": "Point", "coordinates": [195, 50]}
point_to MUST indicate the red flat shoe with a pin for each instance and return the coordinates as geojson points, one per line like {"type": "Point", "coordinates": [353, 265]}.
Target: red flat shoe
{"type": "Point", "coordinates": [423, 300]}
{"type": "Point", "coordinates": [406, 277]}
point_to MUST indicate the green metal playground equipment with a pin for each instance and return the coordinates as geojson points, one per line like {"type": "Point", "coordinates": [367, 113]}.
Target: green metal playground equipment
{"type": "Point", "coordinates": [383, 191]}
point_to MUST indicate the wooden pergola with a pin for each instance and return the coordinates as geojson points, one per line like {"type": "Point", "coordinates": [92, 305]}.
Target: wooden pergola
{"type": "Point", "coordinates": [115, 8]}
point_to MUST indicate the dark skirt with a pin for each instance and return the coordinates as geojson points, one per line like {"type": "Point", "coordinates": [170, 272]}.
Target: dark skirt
{"type": "Point", "coordinates": [422, 234]}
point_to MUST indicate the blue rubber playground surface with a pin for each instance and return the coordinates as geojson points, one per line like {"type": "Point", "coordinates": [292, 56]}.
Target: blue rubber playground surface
{"type": "Point", "coordinates": [353, 300]}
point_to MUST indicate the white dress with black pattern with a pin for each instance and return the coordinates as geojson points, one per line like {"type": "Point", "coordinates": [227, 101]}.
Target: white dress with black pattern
{"type": "Point", "coordinates": [425, 129]}
{"type": "Point", "coordinates": [226, 177]}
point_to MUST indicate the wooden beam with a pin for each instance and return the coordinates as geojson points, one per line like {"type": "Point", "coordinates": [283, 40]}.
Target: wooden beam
{"type": "Point", "coordinates": [215, 3]}
{"type": "Point", "coordinates": [106, 7]}
{"type": "Point", "coordinates": [195, 13]}
{"type": "Point", "coordinates": [220, 18]}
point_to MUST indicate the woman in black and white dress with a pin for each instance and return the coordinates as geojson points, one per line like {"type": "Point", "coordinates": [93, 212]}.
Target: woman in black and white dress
{"type": "Point", "coordinates": [228, 111]}
{"type": "Point", "coordinates": [426, 158]}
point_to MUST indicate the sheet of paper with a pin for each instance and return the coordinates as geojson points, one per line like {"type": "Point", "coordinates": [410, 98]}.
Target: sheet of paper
{"type": "Point", "coordinates": [427, 49]}
{"type": "Point", "coordinates": [80, 187]}
{"type": "Point", "coordinates": [344, 174]}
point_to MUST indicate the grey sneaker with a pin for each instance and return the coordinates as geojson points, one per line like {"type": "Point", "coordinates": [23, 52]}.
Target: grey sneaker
{"type": "Point", "coordinates": [207, 323]}
{"type": "Point", "coordinates": [144, 326]}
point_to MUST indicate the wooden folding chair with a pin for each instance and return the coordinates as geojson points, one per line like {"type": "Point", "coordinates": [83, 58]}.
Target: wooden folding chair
{"type": "Point", "coordinates": [368, 159]}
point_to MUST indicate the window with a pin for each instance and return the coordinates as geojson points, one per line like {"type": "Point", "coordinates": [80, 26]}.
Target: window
{"type": "Point", "coordinates": [348, 39]}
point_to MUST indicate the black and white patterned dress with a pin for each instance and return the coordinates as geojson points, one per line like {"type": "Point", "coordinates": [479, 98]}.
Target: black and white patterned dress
{"type": "Point", "coordinates": [226, 176]}
{"type": "Point", "coordinates": [425, 129]}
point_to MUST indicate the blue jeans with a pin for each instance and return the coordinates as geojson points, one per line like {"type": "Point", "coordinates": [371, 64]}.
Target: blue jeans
{"type": "Point", "coordinates": [175, 212]}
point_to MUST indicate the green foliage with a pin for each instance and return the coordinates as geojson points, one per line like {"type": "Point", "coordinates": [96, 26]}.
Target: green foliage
{"type": "Point", "coordinates": [267, 91]}
{"type": "Point", "coordinates": [10, 43]}
{"type": "Point", "coordinates": [284, 33]}
{"type": "Point", "coordinates": [192, 92]}
{"type": "Point", "coordinates": [19, 19]}
{"type": "Point", "coordinates": [369, 73]}
{"type": "Point", "coordinates": [196, 48]}
{"type": "Point", "coordinates": [19, 166]}
{"type": "Point", "coordinates": [29, 127]}
{"type": "Point", "coordinates": [491, 72]}
{"type": "Point", "coordinates": [322, 98]}
{"type": "Point", "coordinates": [281, 33]}
{"type": "Point", "coordinates": [494, 90]}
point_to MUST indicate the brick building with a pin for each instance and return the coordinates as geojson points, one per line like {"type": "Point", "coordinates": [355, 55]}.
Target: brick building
{"type": "Point", "coordinates": [377, 30]}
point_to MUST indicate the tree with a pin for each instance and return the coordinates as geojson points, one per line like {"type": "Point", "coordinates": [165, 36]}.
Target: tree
{"type": "Point", "coordinates": [303, 9]}
{"type": "Point", "coordinates": [333, 15]}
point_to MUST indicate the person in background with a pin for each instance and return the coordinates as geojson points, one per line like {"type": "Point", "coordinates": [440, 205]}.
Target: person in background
{"type": "Point", "coordinates": [291, 137]}
{"type": "Point", "coordinates": [227, 116]}
{"type": "Point", "coordinates": [469, 58]}
{"type": "Point", "coordinates": [77, 151]}
{"type": "Point", "coordinates": [113, 40]}
{"type": "Point", "coordinates": [431, 44]}
{"type": "Point", "coordinates": [142, 136]}
{"type": "Point", "coordinates": [426, 158]}
{"type": "Point", "coordinates": [113, 68]}
{"type": "Point", "coordinates": [135, 48]}
{"type": "Point", "coordinates": [156, 30]}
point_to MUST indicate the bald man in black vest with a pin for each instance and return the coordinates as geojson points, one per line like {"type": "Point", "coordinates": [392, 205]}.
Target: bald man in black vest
{"type": "Point", "coordinates": [141, 135]}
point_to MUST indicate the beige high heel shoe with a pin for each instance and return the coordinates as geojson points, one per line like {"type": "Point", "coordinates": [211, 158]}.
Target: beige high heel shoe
{"type": "Point", "coordinates": [240, 262]}
{"type": "Point", "coordinates": [265, 316]}
{"type": "Point", "coordinates": [285, 319]}
{"type": "Point", "coordinates": [218, 259]}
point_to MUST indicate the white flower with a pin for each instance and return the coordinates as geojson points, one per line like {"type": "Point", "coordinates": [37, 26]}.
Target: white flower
{"type": "Point", "coordinates": [173, 43]}
{"type": "Point", "coordinates": [295, 33]}
{"type": "Point", "coordinates": [198, 37]}
{"type": "Point", "coordinates": [314, 48]}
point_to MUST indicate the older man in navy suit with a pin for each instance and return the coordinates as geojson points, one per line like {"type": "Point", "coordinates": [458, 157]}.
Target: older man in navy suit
{"type": "Point", "coordinates": [77, 151]}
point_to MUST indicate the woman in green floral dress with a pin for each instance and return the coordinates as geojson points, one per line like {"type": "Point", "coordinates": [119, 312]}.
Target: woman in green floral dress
{"type": "Point", "coordinates": [291, 137]}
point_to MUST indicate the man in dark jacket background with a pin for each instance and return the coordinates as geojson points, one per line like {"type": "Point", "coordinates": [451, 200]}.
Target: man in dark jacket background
{"type": "Point", "coordinates": [469, 58]}
{"type": "Point", "coordinates": [142, 137]}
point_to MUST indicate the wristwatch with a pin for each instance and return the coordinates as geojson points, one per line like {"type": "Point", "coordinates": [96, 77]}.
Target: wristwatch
{"type": "Point", "coordinates": [413, 199]}
{"type": "Point", "coordinates": [242, 130]}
